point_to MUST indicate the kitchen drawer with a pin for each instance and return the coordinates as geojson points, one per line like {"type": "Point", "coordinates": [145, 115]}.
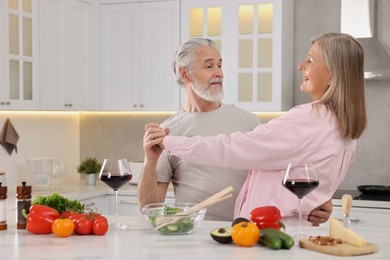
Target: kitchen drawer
{"type": "Point", "coordinates": [128, 205]}
{"type": "Point", "coordinates": [99, 203]}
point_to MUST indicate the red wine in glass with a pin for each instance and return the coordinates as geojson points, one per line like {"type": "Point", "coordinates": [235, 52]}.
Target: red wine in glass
{"type": "Point", "coordinates": [115, 181]}
{"type": "Point", "coordinates": [300, 180]}
{"type": "Point", "coordinates": [115, 173]}
{"type": "Point", "coordinates": [301, 187]}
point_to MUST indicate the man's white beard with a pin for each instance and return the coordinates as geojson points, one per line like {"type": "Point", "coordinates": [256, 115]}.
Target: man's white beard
{"type": "Point", "coordinates": [205, 92]}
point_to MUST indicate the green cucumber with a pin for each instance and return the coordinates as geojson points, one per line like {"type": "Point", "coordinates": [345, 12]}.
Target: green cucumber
{"type": "Point", "coordinates": [287, 241]}
{"type": "Point", "coordinates": [269, 239]}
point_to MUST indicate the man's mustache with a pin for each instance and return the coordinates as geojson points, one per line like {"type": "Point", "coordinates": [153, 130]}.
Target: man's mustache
{"type": "Point", "coordinates": [216, 80]}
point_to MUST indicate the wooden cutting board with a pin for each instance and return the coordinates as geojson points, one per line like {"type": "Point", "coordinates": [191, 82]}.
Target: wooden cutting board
{"type": "Point", "coordinates": [339, 250]}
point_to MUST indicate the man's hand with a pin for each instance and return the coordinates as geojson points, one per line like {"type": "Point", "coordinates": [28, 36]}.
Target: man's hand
{"type": "Point", "coordinates": [321, 214]}
{"type": "Point", "coordinates": [153, 140]}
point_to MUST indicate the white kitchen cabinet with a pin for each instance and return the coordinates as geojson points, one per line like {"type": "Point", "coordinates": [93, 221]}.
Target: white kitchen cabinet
{"type": "Point", "coordinates": [127, 206]}
{"type": "Point", "coordinates": [98, 203]}
{"type": "Point", "coordinates": [255, 38]}
{"type": "Point", "coordinates": [19, 48]}
{"type": "Point", "coordinates": [137, 45]}
{"type": "Point", "coordinates": [66, 55]}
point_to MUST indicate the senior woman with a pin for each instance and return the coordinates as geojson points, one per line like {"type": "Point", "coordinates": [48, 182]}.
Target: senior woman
{"type": "Point", "coordinates": [322, 132]}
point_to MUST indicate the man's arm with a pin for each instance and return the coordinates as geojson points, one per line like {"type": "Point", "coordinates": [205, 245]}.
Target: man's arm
{"type": "Point", "coordinates": [321, 214]}
{"type": "Point", "coordinates": [149, 190]}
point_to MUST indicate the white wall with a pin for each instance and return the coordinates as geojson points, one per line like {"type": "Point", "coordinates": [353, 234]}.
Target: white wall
{"type": "Point", "coordinates": [42, 134]}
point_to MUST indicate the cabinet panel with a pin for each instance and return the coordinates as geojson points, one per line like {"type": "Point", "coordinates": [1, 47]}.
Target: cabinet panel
{"type": "Point", "coordinates": [66, 54]}
{"type": "Point", "coordinates": [100, 203]}
{"type": "Point", "coordinates": [128, 205]}
{"type": "Point", "coordinates": [19, 48]}
{"type": "Point", "coordinates": [263, 32]}
{"type": "Point", "coordinates": [119, 56]}
{"type": "Point", "coordinates": [159, 35]}
{"type": "Point", "coordinates": [138, 41]}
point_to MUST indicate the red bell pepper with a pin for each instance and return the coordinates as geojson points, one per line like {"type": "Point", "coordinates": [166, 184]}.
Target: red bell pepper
{"type": "Point", "coordinates": [267, 217]}
{"type": "Point", "coordinates": [40, 219]}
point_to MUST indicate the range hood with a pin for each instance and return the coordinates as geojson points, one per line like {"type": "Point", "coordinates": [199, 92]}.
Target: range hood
{"type": "Point", "coordinates": [358, 18]}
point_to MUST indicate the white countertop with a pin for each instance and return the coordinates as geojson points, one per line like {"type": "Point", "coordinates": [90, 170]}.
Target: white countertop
{"type": "Point", "coordinates": [140, 242]}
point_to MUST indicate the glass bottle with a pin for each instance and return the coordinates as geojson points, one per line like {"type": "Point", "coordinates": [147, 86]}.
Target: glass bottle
{"type": "Point", "coordinates": [23, 203]}
{"type": "Point", "coordinates": [3, 207]}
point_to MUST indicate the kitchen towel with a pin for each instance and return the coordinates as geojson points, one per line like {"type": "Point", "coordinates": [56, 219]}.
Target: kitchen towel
{"type": "Point", "coordinates": [9, 137]}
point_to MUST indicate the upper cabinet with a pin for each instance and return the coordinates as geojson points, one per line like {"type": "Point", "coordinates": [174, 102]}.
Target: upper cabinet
{"type": "Point", "coordinates": [117, 54]}
{"type": "Point", "coordinates": [137, 45]}
{"type": "Point", "coordinates": [19, 55]}
{"type": "Point", "coordinates": [255, 38]}
{"type": "Point", "coordinates": [66, 55]}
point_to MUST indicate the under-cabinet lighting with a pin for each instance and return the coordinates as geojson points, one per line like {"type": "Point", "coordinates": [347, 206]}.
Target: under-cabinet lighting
{"type": "Point", "coordinates": [97, 113]}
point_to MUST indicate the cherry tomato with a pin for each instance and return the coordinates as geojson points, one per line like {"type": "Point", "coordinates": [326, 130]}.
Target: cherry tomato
{"type": "Point", "coordinates": [245, 234]}
{"type": "Point", "coordinates": [67, 214]}
{"type": "Point", "coordinates": [83, 225]}
{"type": "Point", "coordinates": [62, 227]}
{"type": "Point", "coordinates": [76, 217]}
{"type": "Point", "coordinates": [100, 226]}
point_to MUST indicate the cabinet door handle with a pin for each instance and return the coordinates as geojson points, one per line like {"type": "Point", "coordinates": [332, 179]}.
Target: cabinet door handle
{"type": "Point", "coordinates": [2, 103]}
{"type": "Point", "coordinates": [142, 105]}
{"type": "Point", "coordinates": [128, 202]}
{"type": "Point", "coordinates": [135, 105]}
{"type": "Point", "coordinates": [7, 103]}
{"type": "Point", "coordinates": [89, 205]}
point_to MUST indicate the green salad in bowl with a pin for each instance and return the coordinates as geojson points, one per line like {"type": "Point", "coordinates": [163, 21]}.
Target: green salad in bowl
{"type": "Point", "coordinates": [157, 213]}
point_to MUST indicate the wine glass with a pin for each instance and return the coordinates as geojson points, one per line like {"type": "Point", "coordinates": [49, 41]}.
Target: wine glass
{"type": "Point", "coordinates": [300, 180]}
{"type": "Point", "coordinates": [115, 173]}
{"type": "Point", "coordinates": [59, 171]}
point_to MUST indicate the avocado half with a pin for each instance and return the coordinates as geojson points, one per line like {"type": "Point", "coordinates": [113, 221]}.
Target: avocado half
{"type": "Point", "coordinates": [240, 219]}
{"type": "Point", "coordinates": [222, 235]}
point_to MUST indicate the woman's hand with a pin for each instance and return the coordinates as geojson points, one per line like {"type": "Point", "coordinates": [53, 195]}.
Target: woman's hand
{"type": "Point", "coordinates": [321, 214]}
{"type": "Point", "coordinates": [153, 140]}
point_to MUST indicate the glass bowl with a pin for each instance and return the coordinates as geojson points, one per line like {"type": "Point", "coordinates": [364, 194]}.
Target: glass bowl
{"type": "Point", "coordinates": [183, 225]}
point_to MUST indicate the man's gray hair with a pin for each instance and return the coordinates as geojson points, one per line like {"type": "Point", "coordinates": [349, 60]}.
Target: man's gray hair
{"type": "Point", "coordinates": [185, 55]}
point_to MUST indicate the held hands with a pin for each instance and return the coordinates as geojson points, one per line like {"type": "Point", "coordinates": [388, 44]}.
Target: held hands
{"type": "Point", "coordinates": [153, 140]}
{"type": "Point", "coordinates": [321, 214]}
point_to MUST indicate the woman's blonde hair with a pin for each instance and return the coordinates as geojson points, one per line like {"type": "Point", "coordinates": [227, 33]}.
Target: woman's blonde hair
{"type": "Point", "coordinates": [344, 58]}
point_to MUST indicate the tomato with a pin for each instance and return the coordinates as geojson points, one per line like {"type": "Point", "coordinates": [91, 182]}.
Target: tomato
{"type": "Point", "coordinates": [62, 227]}
{"type": "Point", "coordinates": [67, 214]}
{"type": "Point", "coordinates": [100, 226]}
{"type": "Point", "coordinates": [245, 234]}
{"type": "Point", "coordinates": [83, 225]}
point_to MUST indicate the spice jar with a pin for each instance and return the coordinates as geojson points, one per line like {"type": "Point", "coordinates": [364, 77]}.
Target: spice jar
{"type": "Point", "coordinates": [2, 178]}
{"type": "Point", "coordinates": [3, 207]}
{"type": "Point", "coordinates": [23, 203]}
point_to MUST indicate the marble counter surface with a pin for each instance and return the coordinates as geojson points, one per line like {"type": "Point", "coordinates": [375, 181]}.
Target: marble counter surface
{"type": "Point", "coordinates": [140, 242]}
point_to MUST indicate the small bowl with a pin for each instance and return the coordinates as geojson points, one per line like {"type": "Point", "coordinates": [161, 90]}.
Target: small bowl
{"type": "Point", "coordinates": [186, 225]}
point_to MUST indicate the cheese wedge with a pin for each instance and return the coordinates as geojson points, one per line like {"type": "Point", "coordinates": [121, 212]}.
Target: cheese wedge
{"type": "Point", "coordinates": [337, 230]}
